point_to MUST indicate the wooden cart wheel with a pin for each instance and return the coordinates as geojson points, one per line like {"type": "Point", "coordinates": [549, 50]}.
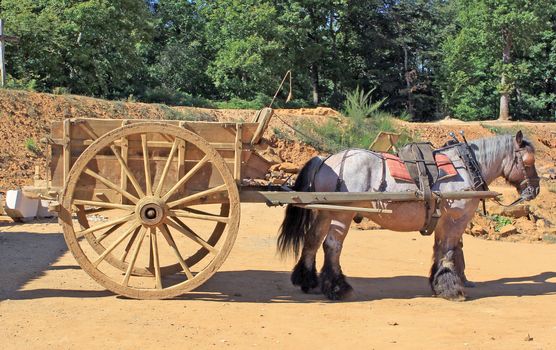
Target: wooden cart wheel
{"type": "Point", "coordinates": [157, 246]}
{"type": "Point", "coordinates": [121, 264]}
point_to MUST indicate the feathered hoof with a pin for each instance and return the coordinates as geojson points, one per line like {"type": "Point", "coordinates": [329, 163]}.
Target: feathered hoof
{"type": "Point", "coordinates": [305, 278]}
{"type": "Point", "coordinates": [335, 287]}
{"type": "Point", "coordinates": [447, 284]}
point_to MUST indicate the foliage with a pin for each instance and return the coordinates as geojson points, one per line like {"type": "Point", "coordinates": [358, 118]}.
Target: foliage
{"type": "Point", "coordinates": [423, 58]}
{"type": "Point", "coordinates": [336, 135]}
{"type": "Point", "coordinates": [260, 101]}
{"type": "Point", "coordinates": [500, 221]}
{"type": "Point", "coordinates": [502, 130]}
{"type": "Point", "coordinates": [473, 73]}
{"type": "Point", "coordinates": [358, 104]}
{"type": "Point", "coordinates": [175, 98]}
{"type": "Point", "coordinates": [90, 47]}
{"type": "Point", "coordinates": [32, 146]}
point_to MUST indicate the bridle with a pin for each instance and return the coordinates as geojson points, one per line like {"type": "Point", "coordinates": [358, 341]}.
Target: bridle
{"type": "Point", "coordinates": [530, 191]}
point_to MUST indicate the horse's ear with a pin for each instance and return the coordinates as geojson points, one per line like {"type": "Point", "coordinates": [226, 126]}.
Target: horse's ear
{"type": "Point", "coordinates": [519, 138]}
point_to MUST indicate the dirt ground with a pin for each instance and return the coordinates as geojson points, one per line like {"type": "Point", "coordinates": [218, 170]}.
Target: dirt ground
{"type": "Point", "coordinates": [47, 301]}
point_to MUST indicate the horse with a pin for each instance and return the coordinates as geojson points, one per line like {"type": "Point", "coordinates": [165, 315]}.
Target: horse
{"type": "Point", "coordinates": [356, 170]}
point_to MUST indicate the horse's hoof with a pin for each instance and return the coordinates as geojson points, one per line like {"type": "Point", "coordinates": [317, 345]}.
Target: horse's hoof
{"type": "Point", "coordinates": [339, 292]}
{"type": "Point", "coordinates": [447, 284]}
{"type": "Point", "coordinates": [304, 278]}
{"type": "Point", "coordinates": [335, 287]}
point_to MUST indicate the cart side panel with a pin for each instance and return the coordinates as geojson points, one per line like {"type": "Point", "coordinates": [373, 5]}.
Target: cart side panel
{"type": "Point", "coordinates": [222, 137]}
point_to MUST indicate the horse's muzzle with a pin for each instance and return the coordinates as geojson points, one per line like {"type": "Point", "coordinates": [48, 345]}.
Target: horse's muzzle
{"type": "Point", "coordinates": [530, 192]}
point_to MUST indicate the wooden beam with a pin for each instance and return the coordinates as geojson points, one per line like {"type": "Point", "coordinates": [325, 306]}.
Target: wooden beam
{"type": "Point", "coordinates": [238, 151]}
{"type": "Point", "coordinates": [67, 148]}
{"type": "Point", "coordinates": [329, 207]}
{"type": "Point", "coordinates": [280, 198]}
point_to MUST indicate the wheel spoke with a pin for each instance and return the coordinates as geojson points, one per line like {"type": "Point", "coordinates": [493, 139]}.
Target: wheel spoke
{"type": "Point", "coordinates": [127, 171]}
{"type": "Point", "coordinates": [167, 167]}
{"type": "Point", "coordinates": [186, 177]}
{"type": "Point", "coordinates": [109, 232]}
{"type": "Point", "coordinates": [156, 261]}
{"type": "Point", "coordinates": [129, 244]}
{"type": "Point", "coordinates": [168, 236]}
{"type": "Point", "coordinates": [105, 225]}
{"type": "Point", "coordinates": [210, 217]}
{"type": "Point", "coordinates": [134, 256]}
{"type": "Point", "coordinates": [198, 195]}
{"type": "Point", "coordinates": [146, 164]}
{"type": "Point", "coordinates": [186, 231]}
{"type": "Point", "coordinates": [104, 204]}
{"type": "Point", "coordinates": [115, 244]}
{"type": "Point", "coordinates": [111, 185]}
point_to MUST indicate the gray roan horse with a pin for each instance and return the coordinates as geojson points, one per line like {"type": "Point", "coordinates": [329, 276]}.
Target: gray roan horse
{"type": "Point", "coordinates": [508, 156]}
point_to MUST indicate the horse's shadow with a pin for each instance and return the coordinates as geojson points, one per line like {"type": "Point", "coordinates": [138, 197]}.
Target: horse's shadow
{"type": "Point", "coordinates": [274, 286]}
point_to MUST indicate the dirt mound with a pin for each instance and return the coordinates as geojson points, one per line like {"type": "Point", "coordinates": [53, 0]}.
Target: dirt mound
{"type": "Point", "coordinates": [26, 119]}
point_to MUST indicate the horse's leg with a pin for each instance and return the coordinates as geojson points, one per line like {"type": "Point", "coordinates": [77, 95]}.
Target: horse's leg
{"type": "Point", "coordinates": [447, 272]}
{"type": "Point", "coordinates": [460, 261]}
{"type": "Point", "coordinates": [305, 272]}
{"type": "Point", "coordinates": [333, 281]}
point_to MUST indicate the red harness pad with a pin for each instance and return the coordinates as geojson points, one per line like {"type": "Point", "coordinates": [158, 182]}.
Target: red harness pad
{"type": "Point", "coordinates": [399, 172]}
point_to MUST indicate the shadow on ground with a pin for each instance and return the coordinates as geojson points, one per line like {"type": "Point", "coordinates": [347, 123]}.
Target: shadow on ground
{"type": "Point", "coordinates": [26, 256]}
{"type": "Point", "coordinates": [260, 286]}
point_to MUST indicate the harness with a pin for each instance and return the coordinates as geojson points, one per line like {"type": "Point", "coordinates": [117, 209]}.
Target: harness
{"type": "Point", "coordinates": [419, 160]}
{"type": "Point", "coordinates": [529, 191]}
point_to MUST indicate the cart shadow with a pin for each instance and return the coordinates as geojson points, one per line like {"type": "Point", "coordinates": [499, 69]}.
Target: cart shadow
{"type": "Point", "coordinates": [25, 257]}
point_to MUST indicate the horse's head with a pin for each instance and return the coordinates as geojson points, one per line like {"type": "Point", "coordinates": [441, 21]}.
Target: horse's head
{"type": "Point", "coordinates": [520, 171]}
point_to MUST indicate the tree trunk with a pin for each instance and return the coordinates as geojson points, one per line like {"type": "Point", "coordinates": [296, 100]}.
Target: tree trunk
{"type": "Point", "coordinates": [505, 94]}
{"type": "Point", "coordinates": [408, 83]}
{"type": "Point", "coordinates": [315, 83]}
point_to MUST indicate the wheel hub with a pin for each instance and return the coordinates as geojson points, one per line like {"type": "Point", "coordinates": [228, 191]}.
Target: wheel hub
{"type": "Point", "coordinates": [151, 211]}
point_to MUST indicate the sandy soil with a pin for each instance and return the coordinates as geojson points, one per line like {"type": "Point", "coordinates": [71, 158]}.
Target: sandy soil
{"type": "Point", "coordinates": [46, 301]}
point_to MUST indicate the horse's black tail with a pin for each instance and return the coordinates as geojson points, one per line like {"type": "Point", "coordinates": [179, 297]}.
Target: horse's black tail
{"type": "Point", "coordinates": [298, 221]}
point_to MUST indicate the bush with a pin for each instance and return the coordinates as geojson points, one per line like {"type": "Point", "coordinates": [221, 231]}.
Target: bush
{"type": "Point", "coordinates": [32, 146]}
{"type": "Point", "coordinates": [336, 135]}
{"type": "Point", "coordinates": [175, 98]}
{"type": "Point", "coordinates": [359, 105]}
{"type": "Point", "coordinates": [21, 84]}
{"type": "Point", "coordinates": [500, 221]}
{"type": "Point", "coordinates": [364, 122]}
{"type": "Point", "coordinates": [61, 90]}
{"type": "Point", "coordinates": [260, 101]}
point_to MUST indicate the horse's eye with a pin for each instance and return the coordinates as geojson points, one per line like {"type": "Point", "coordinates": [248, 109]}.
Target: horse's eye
{"type": "Point", "coordinates": [528, 159]}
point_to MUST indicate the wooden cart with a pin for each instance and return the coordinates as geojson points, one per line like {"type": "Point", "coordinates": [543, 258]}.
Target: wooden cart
{"type": "Point", "coordinates": [151, 210]}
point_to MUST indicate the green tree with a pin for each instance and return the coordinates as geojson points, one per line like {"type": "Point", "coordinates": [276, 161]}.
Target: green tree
{"type": "Point", "coordinates": [180, 54]}
{"type": "Point", "coordinates": [478, 57]}
{"type": "Point", "coordinates": [91, 47]}
{"type": "Point", "coordinates": [248, 56]}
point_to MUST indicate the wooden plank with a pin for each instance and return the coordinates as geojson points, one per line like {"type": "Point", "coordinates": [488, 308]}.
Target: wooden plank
{"type": "Point", "coordinates": [181, 155]}
{"type": "Point", "coordinates": [263, 119]}
{"type": "Point", "coordinates": [124, 145]}
{"type": "Point", "coordinates": [213, 132]}
{"type": "Point", "coordinates": [67, 148]}
{"type": "Point", "coordinates": [328, 207]}
{"type": "Point", "coordinates": [467, 194]}
{"type": "Point", "coordinates": [238, 149]}
{"type": "Point", "coordinates": [280, 198]}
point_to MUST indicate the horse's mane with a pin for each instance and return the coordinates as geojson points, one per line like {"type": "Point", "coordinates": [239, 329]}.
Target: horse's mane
{"type": "Point", "coordinates": [489, 148]}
